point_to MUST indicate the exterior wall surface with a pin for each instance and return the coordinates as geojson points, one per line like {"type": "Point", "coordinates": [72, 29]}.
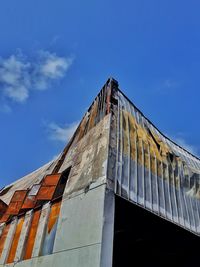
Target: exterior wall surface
{"type": "Point", "coordinates": [79, 233]}
{"type": "Point", "coordinates": [73, 227]}
{"type": "Point", "coordinates": [147, 168]}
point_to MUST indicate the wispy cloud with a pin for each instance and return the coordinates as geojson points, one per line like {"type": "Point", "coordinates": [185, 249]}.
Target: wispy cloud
{"type": "Point", "coordinates": [19, 75]}
{"type": "Point", "coordinates": [167, 86]}
{"type": "Point", "coordinates": [4, 108]}
{"type": "Point", "coordinates": [60, 133]}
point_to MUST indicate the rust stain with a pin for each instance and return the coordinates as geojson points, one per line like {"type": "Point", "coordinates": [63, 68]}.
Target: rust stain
{"type": "Point", "coordinates": [19, 196]}
{"type": "Point", "coordinates": [15, 241]}
{"type": "Point", "coordinates": [82, 128]}
{"type": "Point", "coordinates": [93, 115]}
{"type": "Point", "coordinates": [14, 208]}
{"type": "Point", "coordinates": [51, 180]}
{"type": "Point", "coordinates": [29, 202]}
{"type": "Point", "coordinates": [3, 208]}
{"type": "Point", "coordinates": [32, 235]}
{"type": "Point", "coordinates": [108, 101]}
{"type": "Point", "coordinates": [4, 218]}
{"type": "Point", "coordinates": [46, 192]}
{"type": "Point", "coordinates": [3, 238]}
{"type": "Point", "coordinates": [16, 202]}
{"type": "Point", "coordinates": [53, 217]}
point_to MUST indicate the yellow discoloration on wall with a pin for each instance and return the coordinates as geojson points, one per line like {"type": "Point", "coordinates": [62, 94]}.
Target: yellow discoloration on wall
{"type": "Point", "coordinates": [137, 130]}
{"type": "Point", "coordinates": [156, 152]}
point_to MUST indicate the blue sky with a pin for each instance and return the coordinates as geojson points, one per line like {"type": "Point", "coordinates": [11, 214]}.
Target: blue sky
{"type": "Point", "coordinates": [56, 55]}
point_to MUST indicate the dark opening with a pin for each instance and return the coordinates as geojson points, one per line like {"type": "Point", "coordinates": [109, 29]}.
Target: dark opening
{"type": "Point", "coordinates": [143, 239]}
{"type": "Point", "coordinates": [62, 183]}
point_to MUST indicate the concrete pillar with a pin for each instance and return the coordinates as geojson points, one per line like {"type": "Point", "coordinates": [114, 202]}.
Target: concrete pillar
{"type": "Point", "coordinates": [8, 241]}
{"type": "Point", "coordinates": [41, 229]}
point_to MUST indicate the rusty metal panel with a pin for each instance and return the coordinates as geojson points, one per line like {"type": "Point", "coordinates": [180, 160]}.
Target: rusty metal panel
{"type": "Point", "coordinates": [32, 234]}
{"type": "Point", "coordinates": [15, 241]}
{"type": "Point", "coordinates": [4, 218]}
{"type": "Point", "coordinates": [16, 202]}
{"type": "Point", "coordinates": [19, 196]}
{"type": "Point", "coordinates": [14, 208]}
{"type": "Point", "coordinates": [3, 208]}
{"type": "Point", "coordinates": [3, 238]}
{"type": "Point", "coordinates": [29, 202]}
{"type": "Point", "coordinates": [49, 237]}
{"type": "Point", "coordinates": [50, 180]}
{"type": "Point", "coordinates": [46, 192]}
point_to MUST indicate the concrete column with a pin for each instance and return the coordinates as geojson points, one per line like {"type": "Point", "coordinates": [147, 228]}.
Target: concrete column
{"type": "Point", "coordinates": [41, 229]}
{"type": "Point", "coordinates": [8, 241]}
{"type": "Point", "coordinates": [108, 229]}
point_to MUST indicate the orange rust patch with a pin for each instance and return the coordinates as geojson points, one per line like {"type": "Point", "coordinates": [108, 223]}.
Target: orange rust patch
{"type": "Point", "coordinates": [19, 196]}
{"type": "Point", "coordinates": [54, 214]}
{"type": "Point", "coordinates": [32, 235]}
{"type": "Point", "coordinates": [51, 180]}
{"type": "Point", "coordinates": [15, 241]}
{"type": "Point", "coordinates": [46, 192]}
{"type": "Point", "coordinates": [14, 208]}
{"type": "Point", "coordinates": [5, 218]}
{"type": "Point", "coordinates": [93, 115]}
{"type": "Point", "coordinates": [29, 202]}
{"type": "Point", "coordinates": [3, 238]}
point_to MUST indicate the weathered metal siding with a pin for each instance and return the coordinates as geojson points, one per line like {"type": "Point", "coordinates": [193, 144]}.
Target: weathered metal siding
{"type": "Point", "coordinates": [152, 171]}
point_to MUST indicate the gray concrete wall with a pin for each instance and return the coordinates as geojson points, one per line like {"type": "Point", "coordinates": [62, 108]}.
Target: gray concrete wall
{"type": "Point", "coordinates": [79, 234]}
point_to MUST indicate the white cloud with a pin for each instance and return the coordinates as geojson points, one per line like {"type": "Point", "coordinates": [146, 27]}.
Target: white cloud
{"type": "Point", "coordinates": [18, 75]}
{"type": "Point", "coordinates": [62, 134]}
{"type": "Point", "coordinates": [5, 108]}
{"type": "Point", "coordinates": [167, 86]}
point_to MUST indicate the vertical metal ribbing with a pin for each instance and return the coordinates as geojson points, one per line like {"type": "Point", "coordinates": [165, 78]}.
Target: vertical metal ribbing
{"type": "Point", "coordinates": [189, 206]}
{"type": "Point", "coordinates": [168, 185]}
{"type": "Point", "coordinates": [117, 154]}
{"type": "Point", "coordinates": [143, 173]}
{"type": "Point", "coordinates": [136, 168]}
{"type": "Point", "coordinates": [102, 96]}
{"type": "Point", "coordinates": [163, 189]}
{"type": "Point", "coordinates": [174, 192]}
{"type": "Point", "coordinates": [156, 175]}
{"type": "Point", "coordinates": [193, 218]}
{"type": "Point", "coordinates": [179, 194]}
{"type": "Point", "coordinates": [104, 100]}
{"type": "Point", "coordinates": [100, 106]}
{"type": "Point", "coordinates": [150, 180]}
{"type": "Point", "coordinates": [129, 157]}
{"type": "Point", "coordinates": [186, 206]}
{"type": "Point", "coordinates": [198, 216]}
{"type": "Point", "coordinates": [129, 149]}
{"type": "Point", "coordinates": [121, 155]}
{"type": "Point", "coordinates": [97, 115]}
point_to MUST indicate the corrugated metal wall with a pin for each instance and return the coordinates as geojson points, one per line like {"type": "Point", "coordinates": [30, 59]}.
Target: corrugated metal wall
{"type": "Point", "coordinates": [152, 171]}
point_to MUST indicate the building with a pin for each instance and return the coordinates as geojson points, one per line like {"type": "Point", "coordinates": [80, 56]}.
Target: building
{"type": "Point", "coordinates": [120, 194]}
